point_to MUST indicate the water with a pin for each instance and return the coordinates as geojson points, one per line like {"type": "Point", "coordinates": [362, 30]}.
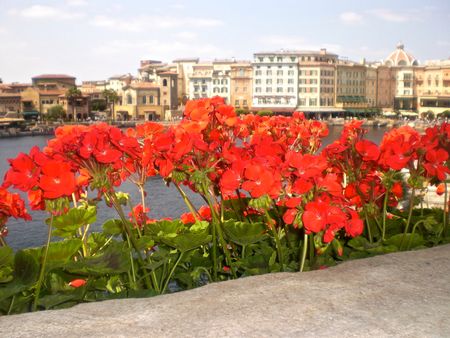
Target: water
{"type": "Point", "coordinates": [163, 201]}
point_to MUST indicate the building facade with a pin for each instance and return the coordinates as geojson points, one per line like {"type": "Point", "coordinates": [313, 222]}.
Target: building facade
{"type": "Point", "coordinates": [241, 85]}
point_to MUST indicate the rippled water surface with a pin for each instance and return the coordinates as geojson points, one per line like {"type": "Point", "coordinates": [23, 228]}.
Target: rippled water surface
{"type": "Point", "coordinates": [163, 201]}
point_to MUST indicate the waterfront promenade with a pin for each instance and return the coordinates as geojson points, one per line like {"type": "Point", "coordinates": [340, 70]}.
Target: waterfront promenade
{"type": "Point", "coordinates": [405, 294]}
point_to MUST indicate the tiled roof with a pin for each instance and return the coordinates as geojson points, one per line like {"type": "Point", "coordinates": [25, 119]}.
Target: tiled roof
{"type": "Point", "coordinates": [53, 76]}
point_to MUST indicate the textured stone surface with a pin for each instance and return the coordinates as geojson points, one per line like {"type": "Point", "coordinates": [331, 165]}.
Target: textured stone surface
{"type": "Point", "coordinates": [403, 295]}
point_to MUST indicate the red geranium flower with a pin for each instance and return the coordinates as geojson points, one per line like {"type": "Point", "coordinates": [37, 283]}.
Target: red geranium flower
{"type": "Point", "coordinates": [57, 179]}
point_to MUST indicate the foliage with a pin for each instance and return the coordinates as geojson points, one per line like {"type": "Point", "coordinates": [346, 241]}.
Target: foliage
{"type": "Point", "coordinates": [273, 203]}
{"type": "Point", "coordinates": [55, 113]}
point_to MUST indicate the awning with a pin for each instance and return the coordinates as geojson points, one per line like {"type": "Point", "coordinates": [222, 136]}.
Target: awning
{"type": "Point", "coordinates": [389, 113]}
{"type": "Point", "coordinates": [30, 113]}
{"type": "Point", "coordinates": [409, 113]}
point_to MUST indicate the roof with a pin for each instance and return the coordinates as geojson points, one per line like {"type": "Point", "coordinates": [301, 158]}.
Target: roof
{"type": "Point", "coordinates": [144, 85]}
{"type": "Point", "coordinates": [186, 60]}
{"type": "Point", "coordinates": [51, 92]}
{"type": "Point", "coordinates": [297, 52]}
{"type": "Point", "coordinates": [53, 76]}
{"type": "Point", "coordinates": [400, 58]}
{"type": "Point", "coordinates": [168, 73]}
{"type": "Point", "coordinates": [10, 95]}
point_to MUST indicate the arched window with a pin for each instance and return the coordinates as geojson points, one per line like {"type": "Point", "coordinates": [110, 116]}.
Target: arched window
{"type": "Point", "coordinates": [129, 99]}
{"type": "Point", "coordinates": [165, 82]}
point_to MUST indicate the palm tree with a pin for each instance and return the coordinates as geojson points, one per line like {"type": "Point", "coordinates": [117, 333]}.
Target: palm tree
{"type": "Point", "coordinates": [72, 95]}
{"type": "Point", "coordinates": [111, 97]}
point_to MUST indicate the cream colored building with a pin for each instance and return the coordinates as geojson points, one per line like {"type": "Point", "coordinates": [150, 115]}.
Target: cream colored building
{"type": "Point", "coordinates": [351, 86]}
{"type": "Point", "coordinates": [241, 85]}
{"type": "Point", "coordinates": [140, 101]}
{"type": "Point", "coordinates": [200, 82]}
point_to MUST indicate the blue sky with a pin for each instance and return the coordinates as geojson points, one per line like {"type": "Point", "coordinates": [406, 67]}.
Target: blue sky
{"type": "Point", "coordinates": [95, 39]}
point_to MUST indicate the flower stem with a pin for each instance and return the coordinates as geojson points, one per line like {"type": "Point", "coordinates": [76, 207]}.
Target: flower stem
{"type": "Point", "coordinates": [445, 210]}
{"type": "Point", "coordinates": [383, 232]}
{"type": "Point", "coordinates": [305, 250]}
{"type": "Point", "coordinates": [277, 239]}
{"type": "Point", "coordinates": [44, 262]}
{"type": "Point", "coordinates": [171, 273]}
{"type": "Point", "coordinates": [369, 232]}
{"type": "Point", "coordinates": [411, 207]}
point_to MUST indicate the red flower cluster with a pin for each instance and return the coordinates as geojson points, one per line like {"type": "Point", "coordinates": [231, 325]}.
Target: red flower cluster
{"type": "Point", "coordinates": [11, 205]}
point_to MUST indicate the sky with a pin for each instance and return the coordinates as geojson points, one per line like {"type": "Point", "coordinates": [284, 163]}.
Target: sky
{"type": "Point", "coordinates": [96, 39]}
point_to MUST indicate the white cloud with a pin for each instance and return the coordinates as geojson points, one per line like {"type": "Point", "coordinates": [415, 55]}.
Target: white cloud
{"type": "Point", "coordinates": [443, 43]}
{"type": "Point", "coordinates": [391, 16]}
{"type": "Point", "coordinates": [44, 12]}
{"type": "Point", "coordinates": [186, 35]}
{"type": "Point", "coordinates": [177, 6]}
{"type": "Point", "coordinates": [76, 3]}
{"type": "Point", "coordinates": [145, 23]}
{"type": "Point", "coordinates": [351, 18]}
{"type": "Point", "coordinates": [2, 30]}
{"type": "Point", "coordinates": [157, 49]}
{"type": "Point", "coordinates": [295, 43]}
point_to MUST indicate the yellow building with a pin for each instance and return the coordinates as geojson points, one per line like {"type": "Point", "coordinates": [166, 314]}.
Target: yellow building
{"type": "Point", "coordinates": [140, 101]}
{"type": "Point", "coordinates": [241, 85]}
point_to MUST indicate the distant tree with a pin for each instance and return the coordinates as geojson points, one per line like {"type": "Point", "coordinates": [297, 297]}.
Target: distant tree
{"type": "Point", "coordinates": [72, 95]}
{"type": "Point", "coordinates": [99, 105]}
{"type": "Point", "coordinates": [265, 113]}
{"type": "Point", "coordinates": [112, 98]}
{"type": "Point", "coordinates": [242, 111]}
{"type": "Point", "coordinates": [55, 113]}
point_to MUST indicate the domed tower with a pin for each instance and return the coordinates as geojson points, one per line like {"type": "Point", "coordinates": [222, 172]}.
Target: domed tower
{"type": "Point", "coordinates": [403, 66]}
{"type": "Point", "coordinates": [400, 58]}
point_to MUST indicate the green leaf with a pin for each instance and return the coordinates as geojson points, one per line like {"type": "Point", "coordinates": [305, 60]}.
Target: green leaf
{"type": "Point", "coordinates": [114, 260]}
{"type": "Point", "coordinates": [66, 225]}
{"type": "Point", "coordinates": [262, 202]}
{"type": "Point", "coordinates": [6, 256]}
{"type": "Point", "coordinates": [6, 263]}
{"type": "Point", "coordinates": [51, 301]}
{"type": "Point", "coordinates": [59, 253]}
{"type": "Point", "coordinates": [188, 240]}
{"type": "Point", "coordinates": [410, 241]}
{"type": "Point", "coordinates": [26, 268]}
{"type": "Point", "coordinates": [199, 226]}
{"type": "Point", "coordinates": [113, 227]}
{"type": "Point", "coordinates": [164, 228]}
{"type": "Point", "coordinates": [359, 243]}
{"type": "Point", "coordinates": [244, 233]}
{"type": "Point", "coordinates": [145, 243]}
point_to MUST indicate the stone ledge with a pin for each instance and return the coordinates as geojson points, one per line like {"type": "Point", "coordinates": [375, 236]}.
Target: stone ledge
{"type": "Point", "coordinates": [403, 294]}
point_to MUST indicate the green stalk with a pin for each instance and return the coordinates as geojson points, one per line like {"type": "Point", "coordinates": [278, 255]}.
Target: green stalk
{"type": "Point", "coordinates": [386, 197]}
{"type": "Point", "coordinates": [44, 262]}
{"type": "Point", "coordinates": [188, 202]}
{"type": "Point", "coordinates": [133, 271]}
{"type": "Point", "coordinates": [2, 241]}
{"type": "Point", "coordinates": [217, 227]}
{"type": "Point", "coordinates": [369, 232]}
{"type": "Point", "coordinates": [129, 233]}
{"type": "Point", "coordinates": [445, 211]}
{"type": "Point", "coordinates": [411, 207]}
{"type": "Point", "coordinates": [412, 233]}
{"type": "Point", "coordinates": [277, 240]}
{"type": "Point", "coordinates": [171, 273]}
{"type": "Point", "coordinates": [305, 250]}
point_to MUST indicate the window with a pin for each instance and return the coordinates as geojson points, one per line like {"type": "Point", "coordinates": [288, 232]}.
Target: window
{"type": "Point", "coordinates": [279, 72]}
{"type": "Point", "coordinates": [290, 81]}
{"type": "Point", "coordinates": [290, 72]}
{"type": "Point", "coordinates": [279, 89]}
{"type": "Point", "coordinates": [241, 72]}
{"type": "Point", "coordinates": [236, 89]}
{"type": "Point", "coordinates": [279, 59]}
{"type": "Point", "coordinates": [244, 89]}
{"type": "Point", "coordinates": [258, 72]}
{"type": "Point", "coordinates": [165, 82]}
{"type": "Point", "coordinates": [302, 101]}
{"type": "Point", "coordinates": [312, 102]}
{"type": "Point", "coordinates": [269, 81]}
{"type": "Point", "coordinates": [271, 58]}
{"type": "Point", "coordinates": [144, 99]}
{"type": "Point", "coordinates": [269, 89]}
{"type": "Point", "coordinates": [290, 89]}
{"type": "Point", "coordinates": [293, 58]}
{"type": "Point", "coordinates": [258, 81]}
{"type": "Point", "coordinates": [244, 103]}
{"type": "Point", "coordinates": [258, 90]}
{"type": "Point", "coordinates": [268, 72]}
{"type": "Point", "coordinates": [261, 59]}
{"type": "Point", "coordinates": [129, 99]}
{"type": "Point", "coordinates": [236, 103]}
{"type": "Point", "coordinates": [151, 99]}
{"type": "Point", "coordinates": [279, 81]}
